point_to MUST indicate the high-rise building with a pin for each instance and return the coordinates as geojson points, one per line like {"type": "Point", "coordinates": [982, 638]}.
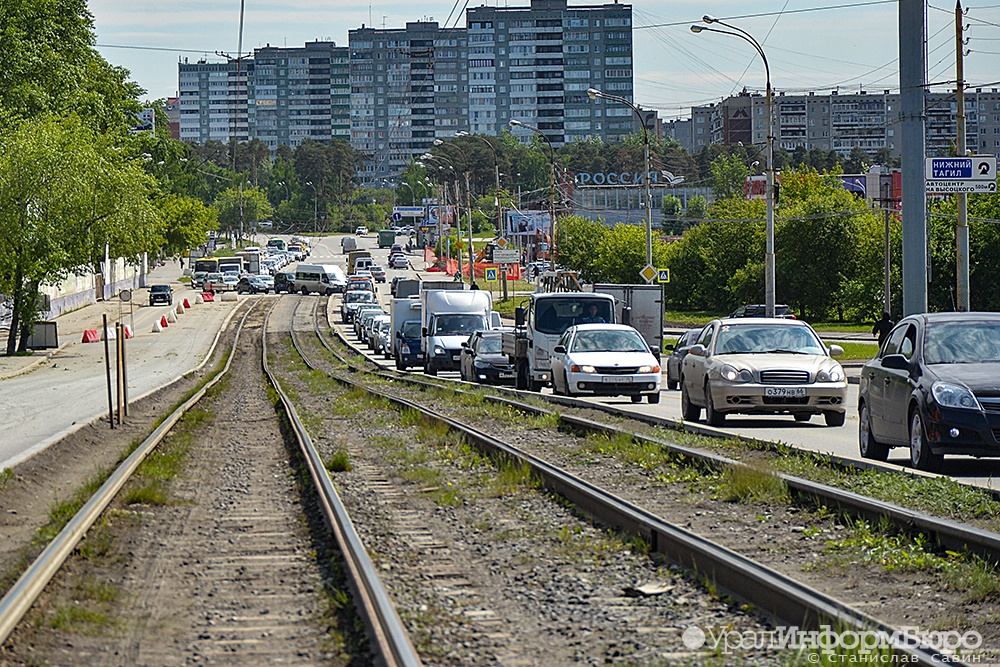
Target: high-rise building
{"type": "Point", "coordinates": [215, 102]}
{"type": "Point", "coordinates": [409, 86]}
{"type": "Point", "coordinates": [301, 93]}
{"type": "Point", "coordinates": [534, 64]}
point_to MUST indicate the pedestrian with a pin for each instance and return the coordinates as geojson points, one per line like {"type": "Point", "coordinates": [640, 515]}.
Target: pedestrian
{"type": "Point", "coordinates": [882, 328]}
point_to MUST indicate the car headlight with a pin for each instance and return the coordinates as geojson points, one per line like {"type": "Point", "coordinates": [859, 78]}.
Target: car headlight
{"type": "Point", "coordinates": [438, 349]}
{"type": "Point", "coordinates": [834, 374]}
{"type": "Point", "coordinates": [582, 369]}
{"type": "Point", "coordinates": [649, 369]}
{"type": "Point", "coordinates": [954, 396]}
{"type": "Point", "coordinates": [733, 374]}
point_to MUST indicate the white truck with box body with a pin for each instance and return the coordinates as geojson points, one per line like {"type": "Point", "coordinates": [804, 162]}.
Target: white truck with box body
{"type": "Point", "coordinates": [538, 327]}
{"type": "Point", "coordinates": [641, 307]}
{"type": "Point", "coordinates": [448, 318]}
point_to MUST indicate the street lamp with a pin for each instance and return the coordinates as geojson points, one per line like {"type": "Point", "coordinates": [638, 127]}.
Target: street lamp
{"type": "Point", "coordinates": [315, 216]}
{"type": "Point", "coordinates": [769, 195]}
{"type": "Point", "coordinates": [594, 94]}
{"type": "Point", "coordinates": [552, 188]}
{"type": "Point", "coordinates": [496, 171]}
{"type": "Point", "coordinates": [468, 206]}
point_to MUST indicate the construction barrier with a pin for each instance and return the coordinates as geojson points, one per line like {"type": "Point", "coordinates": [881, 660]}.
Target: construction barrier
{"type": "Point", "coordinates": [91, 336]}
{"type": "Point", "coordinates": [128, 331]}
{"type": "Point", "coordinates": [109, 333]}
{"type": "Point", "coordinates": [207, 297]}
{"type": "Point", "coordinates": [171, 316]}
{"type": "Point", "coordinates": [179, 309]}
{"type": "Point", "coordinates": [163, 322]}
{"type": "Point", "coordinates": [198, 299]}
{"type": "Point", "coordinates": [187, 304]}
{"type": "Point", "coordinates": [230, 296]}
{"type": "Point", "coordinates": [156, 327]}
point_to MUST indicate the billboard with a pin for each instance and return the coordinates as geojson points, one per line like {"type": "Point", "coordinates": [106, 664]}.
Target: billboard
{"type": "Point", "coordinates": [525, 223]}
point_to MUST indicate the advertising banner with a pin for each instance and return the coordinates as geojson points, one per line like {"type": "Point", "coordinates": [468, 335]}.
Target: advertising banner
{"type": "Point", "coordinates": [526, 223]}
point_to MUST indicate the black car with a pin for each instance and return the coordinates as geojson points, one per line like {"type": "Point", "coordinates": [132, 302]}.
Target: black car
{"type": "Point", "coordinates": [161, 294]}
{"type": "Point", "coordinates": [760, 310]}
{"type": "Point", "coordinates": [251, 285]}
{"type": "Point", "coordinates": [284, 282]}
{"type": "Point", "coordinates": [934, 388]}
{"type": "Point", "coordinates": [483, 361]}
{"type": "Point", "coordinates": [676, 358]}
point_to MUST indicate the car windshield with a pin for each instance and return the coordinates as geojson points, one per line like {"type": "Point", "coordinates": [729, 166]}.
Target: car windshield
{"type": "Point", "coordinates": [765, 338]}
{"type": "Point", "coordinates": [411, 329]}
{"type": "Point", "coordinates": [962, 343]}
{"type": "Point", "coordinates": [451, 324]}
{"type": "Point", "coordinates": [556, 315]}
{"type": "Point", "coordinates": [160, 289]}
{"type": "Point", "coordinates": [359, 297]}
{"type": "Point", "coordinates": [608, 341]}
{"type": "Point", "coordinates": [490, 345]}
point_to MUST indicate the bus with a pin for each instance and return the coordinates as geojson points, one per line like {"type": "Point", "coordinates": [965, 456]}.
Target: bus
{"type": "Point", "coordinates": [276, 244]}
{"type": "Point", "coordinates": [206, 265]}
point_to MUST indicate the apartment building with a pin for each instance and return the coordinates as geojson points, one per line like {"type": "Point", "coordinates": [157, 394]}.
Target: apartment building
{"type": "Point", "coordinates": [534, 64]}
{"type": "Point", "coordinates": [409, 86]}
{"type": "Point", "coordinates": [301, 93]}
{"type": "Point", "coordinates": [216, 102]}
{"type": "Point", "coordinates": [841, 121]}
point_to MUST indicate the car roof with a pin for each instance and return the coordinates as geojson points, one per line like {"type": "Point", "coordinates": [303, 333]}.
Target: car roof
{"type": "Point", "coordinates": [599, 326]}
{"type": "Point", "coordinates": [973, 316]}
{"type": "Point", "coordinates": [773, 321]}
{"type": "Point", "coordinates": [159, 287]}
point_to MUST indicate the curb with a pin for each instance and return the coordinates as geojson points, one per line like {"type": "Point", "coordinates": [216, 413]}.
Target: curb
{"type": "Point", "coordinates": [37, 362]}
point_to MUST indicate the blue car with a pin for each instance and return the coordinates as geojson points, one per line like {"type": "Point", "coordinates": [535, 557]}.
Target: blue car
{"type": "Point", "coordinates": [407, 349]}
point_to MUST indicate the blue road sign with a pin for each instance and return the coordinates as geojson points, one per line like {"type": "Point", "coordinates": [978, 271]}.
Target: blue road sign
{"type": "Point", "coordinates": [948, 168]}
{"type": "Point", "coordinates": [491, 275]}
{"type": "Point", "coordinates": [663, 275]}
{"type": "Point", "coordinates": [397, 216]}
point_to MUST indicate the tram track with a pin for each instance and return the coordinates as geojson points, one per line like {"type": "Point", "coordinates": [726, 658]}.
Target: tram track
{"type": "Point", "coordinates": [770, 592]}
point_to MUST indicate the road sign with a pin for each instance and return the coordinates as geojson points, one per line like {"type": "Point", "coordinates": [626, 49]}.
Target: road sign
{"type": "Point", "coordinates": [951, 187]}
{"type": "Point", "coordinates": [397, 216]}
{"type": "Point", "coordinates": [506, 256]}
{"type": "Point", "coordinates": [972, 167]}
{"type": "Point", "coordinates": [648, 273]}
{"type": "Point", "coordinates": [490, 275]}
{"type": "Point", "coordinates": [502, 243]}
{"type": "Point", "coordinates": [663, 275]}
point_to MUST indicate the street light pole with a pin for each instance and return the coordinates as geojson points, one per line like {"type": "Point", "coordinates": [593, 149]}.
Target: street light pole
{"type": "Point", "coordinates": [552, 187]}
{"type": "Point", "coordinates": [496, 173]}
{"type": "Point", "coordinates": [315, 208]}
{"type": "Point", "coordinates": [468, 207]}
{"type": "Point", "coordinates": [769, 298]}
{"type": "Point", "coordinates": [594, 94]}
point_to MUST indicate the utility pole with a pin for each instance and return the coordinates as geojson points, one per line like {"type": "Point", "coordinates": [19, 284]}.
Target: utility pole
{"type": "Point", "coordinates": [961, 199]}
{"type": "Point", "coordinates": [912, 122]}
{"type": "Point", "coordinates": [468, 208]}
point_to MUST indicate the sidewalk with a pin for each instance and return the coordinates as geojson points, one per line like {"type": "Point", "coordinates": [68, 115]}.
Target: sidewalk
{"type": "Point", "coordinates": [71, 325]}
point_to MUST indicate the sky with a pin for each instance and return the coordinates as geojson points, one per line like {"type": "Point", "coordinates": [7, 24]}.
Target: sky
{"type": "Point", "coordinates": [813, 45]}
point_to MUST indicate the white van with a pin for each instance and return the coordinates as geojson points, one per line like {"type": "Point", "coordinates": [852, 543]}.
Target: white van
{"type": "Point", "coordinates": [363, 263]}
{"type": "Point", "coordinates": [319, 278]}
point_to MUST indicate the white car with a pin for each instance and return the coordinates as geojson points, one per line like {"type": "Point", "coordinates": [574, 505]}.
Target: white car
{"type": "Point", "coordinates": [605, 360]}
{"type": "Point", "coordinates": [361, 231]}
{"type": "Point", "coordinates": [398, 262]}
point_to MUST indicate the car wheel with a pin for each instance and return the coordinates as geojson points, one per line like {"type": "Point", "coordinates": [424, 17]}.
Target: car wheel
{"type": "Point", "coordinates": [689, 411]}
{"type": "Point", "coordinates": [653, 398]}
{"type": "Point", "coordinates": [921, 456]}
{"type": "Point", "coordinates": [800, 417]}
{"type": "Point", "coordinates": [672, 384]}
{"type": "Point", "coordinates": [428, 370]}
{"type": "Point", "coordinates": [868, 446]}
{"type": "Point", "coordinates": [713, 417]}
{"type": "Point", "coordinates": [304, 291]}
{"type": "Point", "coordinates": [636, 398]}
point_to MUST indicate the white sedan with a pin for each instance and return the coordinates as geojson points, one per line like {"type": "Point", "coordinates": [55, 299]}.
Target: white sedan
{"type": "Point", "coordinates": [605, 360]}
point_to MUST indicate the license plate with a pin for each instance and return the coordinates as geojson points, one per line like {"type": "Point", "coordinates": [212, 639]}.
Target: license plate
{"type": "Point", "coordinates": [785, 392]}
{"type": "Point", "coordinates": [616, 378]}
{"type": "Point", "coordinates": [506, 375]}
{"type": "Point", "coordinates": [456, 357]}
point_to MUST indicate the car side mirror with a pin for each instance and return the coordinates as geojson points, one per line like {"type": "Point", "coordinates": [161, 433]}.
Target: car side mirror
{"type": "Point", "coordinates": [423, 331]}
{"type": "Point", "coordinates": [559, 349]}
{"type": "Point", "coordinates": [895, 361]}
{"type": "Point", "coordinates": [399, 334]}
{"type": "Point", "coordinates": [836, 351]}
{"type": "Point", "coordinates": [465, 343]}
{"type": "Point", "coordinates": [519, 316]}
{"type": "Point", "coordinates": [697, 350]}
{"type": "Point", "coordinates": [669, 347]}
{"type": "Point", "coordinates": [627, 315]}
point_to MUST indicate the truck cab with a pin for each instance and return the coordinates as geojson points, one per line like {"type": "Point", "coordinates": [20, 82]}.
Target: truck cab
{"type": "Point", "coordinates": [448, 319]}
{"type": "Point", "coordinates": [539, 325]}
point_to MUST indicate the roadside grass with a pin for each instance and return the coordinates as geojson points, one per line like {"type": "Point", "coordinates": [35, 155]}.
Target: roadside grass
{"type": "Point", "coordinates": [854, 351]}
{"type": "Point", "coordinates": [752, 483]}
{"type": "Point", "coordinates": [150, 485]}
{"type": "Point", "coordinates": [690, 319]}
{"type": "Point", "coordinates": [8, 476]}
{"type": "Point", "coordinates": [506, 308]}
{"type": "Point", "coordinates": [339, 461]}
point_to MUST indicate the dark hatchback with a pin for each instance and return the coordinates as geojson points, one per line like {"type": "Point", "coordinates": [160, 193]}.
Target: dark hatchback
{"type": "Point", "coordinates": [161, 294]}
{"type": "Point", "coordinates": [676, 359]}
{"type": "Point", "coordinates": [284, 282]}
{"type": "Point", "coordinates": [483, 361]}
{"type": "Point", "coordinates": [934, 388]}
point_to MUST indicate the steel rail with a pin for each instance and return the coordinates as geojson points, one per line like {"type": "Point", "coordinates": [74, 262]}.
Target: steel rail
{"type": "Point", "coordinates": [945, 532]}
{"type": "Point", "coordinates": [775, 594]}
{"type": "Point", "coordinates": [390, 637]}
{"type": "Point", "coordinates": [18, 600]}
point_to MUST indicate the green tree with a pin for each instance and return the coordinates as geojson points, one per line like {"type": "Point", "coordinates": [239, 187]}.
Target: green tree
{"type": "Point", "coordinates": [65, 196]}
{"type": "Point", "coordinates": [729, 173]}
{"type": "Point", "coordinates": [697, 208]}
{"type": "Point", "coordinates": [579, 240]}
{"type": "Point", "coordinates": [621, 255]}
{"type": "Point", "coordinates": [186, 223]}
{"type": "Point", "coordinates": [858, 162]}
{"type": "Point", "coordinates": [238, 209]}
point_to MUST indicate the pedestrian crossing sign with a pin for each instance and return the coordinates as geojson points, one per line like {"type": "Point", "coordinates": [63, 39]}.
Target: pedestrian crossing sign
{"type": "Point", "coordinates": [663, 275]}
{"type": "Point", "coordinates": [491, 275]}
